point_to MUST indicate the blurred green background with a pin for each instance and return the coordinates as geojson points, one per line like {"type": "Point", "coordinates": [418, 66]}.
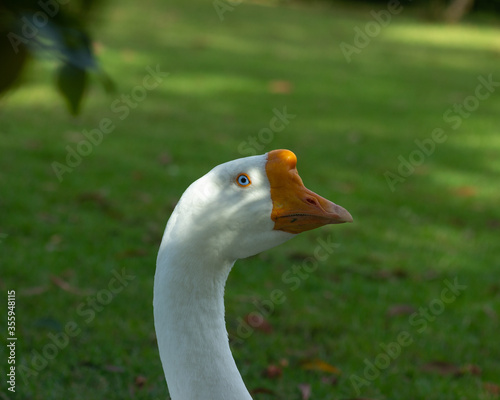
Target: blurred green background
{"type": "Point", "coordinates": [394, 115]}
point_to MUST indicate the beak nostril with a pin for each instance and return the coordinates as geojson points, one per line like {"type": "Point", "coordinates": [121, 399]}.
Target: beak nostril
{"type": "Point", "coordinates": [312, 201]}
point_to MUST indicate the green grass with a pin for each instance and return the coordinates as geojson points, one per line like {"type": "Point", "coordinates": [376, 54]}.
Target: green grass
{"type": "Point", "coordinates": [353, 121]}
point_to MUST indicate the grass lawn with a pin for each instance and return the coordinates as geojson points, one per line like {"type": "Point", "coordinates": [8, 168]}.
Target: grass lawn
{"type": "Point", "coordinates": [407, 306]}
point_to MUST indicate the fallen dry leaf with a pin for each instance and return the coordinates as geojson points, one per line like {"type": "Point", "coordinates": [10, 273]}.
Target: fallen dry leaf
{"type": "Point", "coordinates": [140, 380]}
{"type": "Point", "coordinates": [471, 369]}
{"type": "Point", "coordinates": [137, 175]}
{"type": "Point", "coordinates": [466, 191]}
{"type": "Point", "coordinates": [488, 310]}
{"type": "Point", "coordinates": [33, 144]}
{"type": "Point", "coordinates": [421, 170]}
{"type": "Point", "coordinates": [53, 243]}
{"type": "Point", "coordinates": [492, 388]}
{"type": "Point", "coordinates": [305, 390]}
{"type": "Point", "coordinates": [33, 291]}
{"type": "Point", "coordinates": [114, 368]}
{"type": "Point", "coordinates": [447, 368]}
{"type": "Point", "coordinates": [280, 86]}
{"type": "Point", "coordinates": [389, 274]}
{"type": "Point", "coordinates": [61, 283]}
{"type": "Point", "coordinates": [200, 43]}
{"type": "Point", "coordinates": [320, 365]}
{"type": "Point", "coordinates": [273, 372]}
{"type": "Point", "coordinates": [493, 224]}
{"type": "Point", "coordinates": [145, 198]}
{"type": "Point", "coordinates": [400, 309]}
{"type": "Point", "coordinates": [165, 158]}
{"type": "Point", "coordinates": [97, 198]}
{"type": "Point", "coordinates": [331, 380]}
{"type": "Point", "coordinates": [89, 364]}
{"type": "Point", "coordinates": [261, 390]}
{"type": "Point", "coordinates": [258, 322]}
{"type": "Point", "coordinates": [284, 362]}
{"type": "Point", "coordinates": [441, 367]}
{"type": "Point", "coordinates": [101, 202]}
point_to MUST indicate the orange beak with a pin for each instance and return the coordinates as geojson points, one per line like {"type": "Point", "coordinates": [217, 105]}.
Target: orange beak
{"type": "Point", "coordinates": [295, 208]}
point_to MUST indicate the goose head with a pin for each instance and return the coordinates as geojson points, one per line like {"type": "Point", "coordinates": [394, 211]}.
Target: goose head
{"type": "Point", "coordinates": [236, 210]}
{"type": "Point", "coordinates": [245, 206]}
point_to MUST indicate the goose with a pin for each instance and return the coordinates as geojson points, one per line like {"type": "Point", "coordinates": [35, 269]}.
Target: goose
{"type": "Point", "coordinates": [238, 209]}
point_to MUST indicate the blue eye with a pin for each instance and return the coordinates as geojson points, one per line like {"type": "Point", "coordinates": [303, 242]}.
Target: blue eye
{"type": "Point", "coordinates": [243, 180]}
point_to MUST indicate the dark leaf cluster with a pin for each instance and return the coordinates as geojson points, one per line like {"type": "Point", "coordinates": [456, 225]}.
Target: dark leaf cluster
{"type": "Point", "coordinates": [53, 29]}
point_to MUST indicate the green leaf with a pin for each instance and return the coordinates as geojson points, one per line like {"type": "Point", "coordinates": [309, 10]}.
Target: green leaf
{"type": "Point", "coordinates": [72, 82]}
{"type": "Point", "coordinates": [13, 61]}
{"type": "Point", "coordinates": [107, 83]}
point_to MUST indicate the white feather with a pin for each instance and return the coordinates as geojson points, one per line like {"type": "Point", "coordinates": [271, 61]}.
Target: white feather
{"type": "Point", "coordinates": [215, 223]}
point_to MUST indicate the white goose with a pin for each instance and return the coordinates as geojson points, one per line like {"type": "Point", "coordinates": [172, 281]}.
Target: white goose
{"type": "Point", "coordinates": [238, 209]}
